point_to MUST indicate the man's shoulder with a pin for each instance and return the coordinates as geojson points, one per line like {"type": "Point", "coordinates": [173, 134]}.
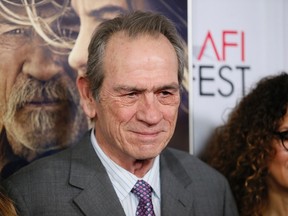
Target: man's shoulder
{"type": "Point", "coordinates": [199, 183]}
{"type": "Point", "coordinates": [183, 157]}
{"type": "Point", "coordinates": [190, 163]}
{"type": "Point", "coordinates": [42, 168]}
{"type": "Point", "coordinates": [48, 166]}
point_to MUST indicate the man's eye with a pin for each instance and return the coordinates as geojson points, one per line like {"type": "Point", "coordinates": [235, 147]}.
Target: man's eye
{"type": "Point", "coordinates": [131, 94]}
{"type": "Point", "coordinates": [165, 93]}
{"type": "Point", "coordinates": [168, 97]}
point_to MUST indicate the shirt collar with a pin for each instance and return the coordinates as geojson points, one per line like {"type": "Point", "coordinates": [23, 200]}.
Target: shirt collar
{"type": "Point", "coordinates": [122, 180]}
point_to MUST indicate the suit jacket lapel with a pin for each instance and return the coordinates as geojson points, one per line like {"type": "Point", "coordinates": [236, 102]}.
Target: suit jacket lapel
{"type": "Point", "coordinates": [98, 196]}
{"type": "Point", "coordinates": [174, 198]}
{"type": "Point", "coordinates": [87, 172]}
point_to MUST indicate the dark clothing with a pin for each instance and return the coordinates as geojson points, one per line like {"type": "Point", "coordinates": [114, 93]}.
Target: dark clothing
{"type": "Point", "coordinates": [74, 182]}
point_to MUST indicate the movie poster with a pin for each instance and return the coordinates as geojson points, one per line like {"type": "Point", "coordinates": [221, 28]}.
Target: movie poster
{"type": "Point", "coordinates": [43, 47]}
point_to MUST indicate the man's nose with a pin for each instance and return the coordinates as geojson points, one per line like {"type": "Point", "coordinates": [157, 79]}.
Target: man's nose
{"type": "Point", "coordinates": [149, 110]}
{"type": "Point", "coordinates": [42, 63]}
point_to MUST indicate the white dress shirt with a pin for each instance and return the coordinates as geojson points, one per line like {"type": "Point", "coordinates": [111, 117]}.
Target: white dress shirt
{"type": "Point", "coordinates": [123, 181]}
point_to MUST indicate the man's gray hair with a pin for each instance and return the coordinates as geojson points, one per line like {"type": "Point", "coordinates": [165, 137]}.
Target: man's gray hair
{"type": "Point", "coordinates": [133, 24]}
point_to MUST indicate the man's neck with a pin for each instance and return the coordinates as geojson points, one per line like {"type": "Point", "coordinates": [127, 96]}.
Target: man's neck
{"type": "Point", "coordinates": [141, 167]}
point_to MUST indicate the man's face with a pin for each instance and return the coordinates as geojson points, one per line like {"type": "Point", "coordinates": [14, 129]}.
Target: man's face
{"type": "Point", "coordinates": [139, 99]}
{"type": "Point", "coordinates": [39, 102]}
{"type": "Point", "coordinates": [91, 13]}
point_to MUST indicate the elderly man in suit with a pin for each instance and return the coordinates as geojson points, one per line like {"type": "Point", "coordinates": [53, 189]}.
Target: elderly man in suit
{"type": "Point", "coordinates": [131, 91]}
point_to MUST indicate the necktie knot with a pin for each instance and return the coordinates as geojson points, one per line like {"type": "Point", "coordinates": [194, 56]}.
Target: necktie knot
{"type": "Point", "coordinates": [143, 191]}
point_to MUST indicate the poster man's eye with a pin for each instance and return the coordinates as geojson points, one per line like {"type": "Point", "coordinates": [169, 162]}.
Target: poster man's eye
{"type": "Point", "coordinates": [68, 33]}
{"type": "Point", "coordinates": [18, 32]}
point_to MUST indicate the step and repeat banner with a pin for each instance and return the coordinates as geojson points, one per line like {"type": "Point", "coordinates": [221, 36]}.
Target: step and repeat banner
{"type": "Point", "coordinates": [43, 47]}
{"type": "Point", "coordinates": [232, 45]}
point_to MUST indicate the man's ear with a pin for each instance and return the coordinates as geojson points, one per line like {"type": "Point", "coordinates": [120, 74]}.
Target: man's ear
{"type": "Point", "coordinates": [88, 102]}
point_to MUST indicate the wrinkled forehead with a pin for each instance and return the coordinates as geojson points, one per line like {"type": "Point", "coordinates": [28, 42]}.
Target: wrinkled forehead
{"type": "Point", "coordinates": [22, 11]}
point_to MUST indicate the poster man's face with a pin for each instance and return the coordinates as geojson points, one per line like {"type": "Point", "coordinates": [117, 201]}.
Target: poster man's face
{"type": "Point", "coordinates": [91, 13]}
{"type": "Point", "coordinates": [39, 102]}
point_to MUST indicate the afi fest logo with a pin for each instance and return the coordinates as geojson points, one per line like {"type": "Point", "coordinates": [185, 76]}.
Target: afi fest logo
{"type": "Point", "coordinates": [225, 77]}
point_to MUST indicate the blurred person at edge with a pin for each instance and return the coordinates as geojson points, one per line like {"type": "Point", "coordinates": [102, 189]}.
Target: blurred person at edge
{"type": "Point", "coordinates": [251, 149]}
{"type": "Point", "coordinates": [7, 207]}
{"type": "Point", "coordinates": [39, 101]}
{"type": "Point", "coordinates": [91, 13]}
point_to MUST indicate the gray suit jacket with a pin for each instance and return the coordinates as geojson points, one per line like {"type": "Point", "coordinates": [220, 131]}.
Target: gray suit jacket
{"type": "Point", "coordinates": [74, 182]}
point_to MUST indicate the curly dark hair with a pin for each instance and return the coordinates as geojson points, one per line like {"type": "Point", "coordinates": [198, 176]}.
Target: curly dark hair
{"type": "Point", "coordinates": [7, 207]}
{"type": "Point", "coordinates": [241, 149]}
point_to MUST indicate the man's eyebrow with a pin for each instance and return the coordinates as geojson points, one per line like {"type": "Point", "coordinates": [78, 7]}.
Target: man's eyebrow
{"type": "Point", "coordinates": [99, 13]}
{"type": "Point", "coordinates": [173, 86]}
{"type": "Point", "coordinates": [127, 88]}
{"type": "Point", "coordinates": [170, 86]}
